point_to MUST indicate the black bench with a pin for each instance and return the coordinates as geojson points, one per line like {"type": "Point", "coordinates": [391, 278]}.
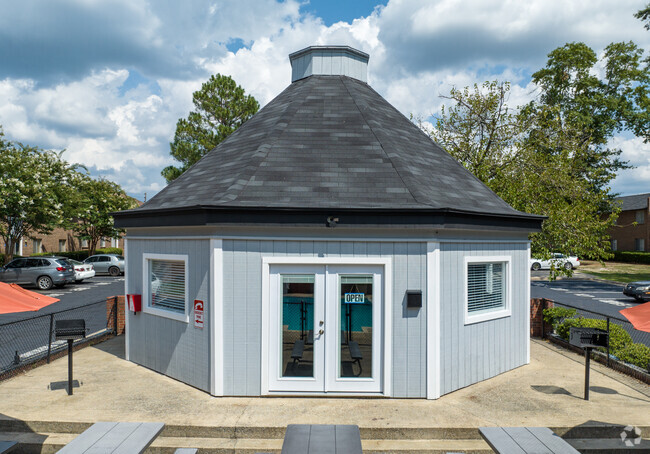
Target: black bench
{"type": "Point", "coordinates": [322, 439]}
{"type": "Point", "coordinates": [355, 354]}
{"type": "Point", "coordinates": [298, 348]}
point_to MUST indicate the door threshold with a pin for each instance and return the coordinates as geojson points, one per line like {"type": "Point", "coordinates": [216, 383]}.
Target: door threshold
{"type": "Point", "coordinates": [321, 394]}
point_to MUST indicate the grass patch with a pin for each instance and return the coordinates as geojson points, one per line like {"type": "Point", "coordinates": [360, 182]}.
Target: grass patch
{"type": "Point", "coordinates": [616, 271]}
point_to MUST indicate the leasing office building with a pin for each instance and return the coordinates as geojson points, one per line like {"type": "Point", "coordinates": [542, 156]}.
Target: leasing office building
{"type": "Point", "coordinates": [328, 246]}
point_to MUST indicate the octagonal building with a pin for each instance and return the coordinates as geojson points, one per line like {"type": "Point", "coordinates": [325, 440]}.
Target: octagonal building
{"type": "Point", "coordinates": [328, 247]}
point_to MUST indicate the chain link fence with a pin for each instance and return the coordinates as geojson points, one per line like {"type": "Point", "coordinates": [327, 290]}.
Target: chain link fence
{"type": "Point", "coordinates": [28, 341]}
{"type": "Point", "coordinates": [615, 326]}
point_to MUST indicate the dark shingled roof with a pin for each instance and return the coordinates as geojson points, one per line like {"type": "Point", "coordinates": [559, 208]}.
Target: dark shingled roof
{"type": "Point", "coordinates": [634, 202]}
{"type": "Point", "coordinates": [330, 142]}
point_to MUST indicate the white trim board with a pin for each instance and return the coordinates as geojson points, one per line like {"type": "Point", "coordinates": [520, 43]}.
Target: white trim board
{"type": "Point", "coordinates": [433, 321]}
{"type": "Point", "coordinates": [320, 238]}
{"type": "Point", "coordinates": [127, 332]}
{"type": "Point", "coordinates": [216, 317]}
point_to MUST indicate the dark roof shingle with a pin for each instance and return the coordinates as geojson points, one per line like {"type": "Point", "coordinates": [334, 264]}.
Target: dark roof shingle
{"type": "Point", "coordinates": [330, 142]}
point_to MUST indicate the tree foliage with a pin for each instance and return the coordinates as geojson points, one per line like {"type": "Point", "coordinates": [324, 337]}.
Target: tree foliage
{"type": "Point", "coordinates": [221, 106]}
{"type": "Point", "coordinates": [551, 156]}
{"type": "Point", "coordinates": [33, 188]}
{"type": "Point", "coordinates": [644, 15]}
{"type": "Point", "coordinates": [89, 206]}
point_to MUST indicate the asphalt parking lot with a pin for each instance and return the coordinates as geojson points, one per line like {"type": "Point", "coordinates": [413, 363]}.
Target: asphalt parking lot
{"type": "Point", "coordinates": [73, 295]}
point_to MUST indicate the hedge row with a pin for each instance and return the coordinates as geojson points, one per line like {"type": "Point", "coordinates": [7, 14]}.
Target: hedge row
{"type": "Point", "coordinates": [620, 342]}
{"type": "Point", "coordinates": [632, 257]}
{"type": "Point", "coordinates": [80, 255]}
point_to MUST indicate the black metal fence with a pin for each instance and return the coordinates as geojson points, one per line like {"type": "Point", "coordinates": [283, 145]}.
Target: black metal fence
{"type": "Point", "coordinates": [640, 337]}
{"type": "Point", "coordinates": [30, 340]}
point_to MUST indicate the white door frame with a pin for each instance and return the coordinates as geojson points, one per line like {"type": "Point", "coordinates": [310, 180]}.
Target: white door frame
{"type": "Point", "coordinates": [385, 344]}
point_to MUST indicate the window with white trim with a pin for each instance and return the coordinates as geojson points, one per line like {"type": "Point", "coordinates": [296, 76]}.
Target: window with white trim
{"type": "Point", "coordinates": [165, 278]}
{"type": "Point", "coordinates": [487, 288]}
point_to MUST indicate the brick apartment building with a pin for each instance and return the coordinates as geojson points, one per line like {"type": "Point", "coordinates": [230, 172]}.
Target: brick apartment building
{"type": "Point", "coordinates": [60, 240]}
{"type": "Point", "coordinates": [632, 229]}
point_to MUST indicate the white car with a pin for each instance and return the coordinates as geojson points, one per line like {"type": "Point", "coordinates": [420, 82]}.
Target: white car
{"type": "Point", "coordinates": [82, 270]}
{"type": "Point", "coordinates": [558, 260]}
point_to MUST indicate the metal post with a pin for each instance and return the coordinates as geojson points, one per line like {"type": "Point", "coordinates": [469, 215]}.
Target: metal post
{"type": "Point", "coordinates": [587, 364]}
{"type": "Point", "coordinates": [70, 341]}
{"type": "Point", "coordinates": [607, 341]}
{"type": "Point", "coordinates": [49, 342]}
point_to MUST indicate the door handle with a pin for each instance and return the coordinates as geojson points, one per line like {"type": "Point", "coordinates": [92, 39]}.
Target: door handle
{"type": "Point", "coordinates": [321, 331]}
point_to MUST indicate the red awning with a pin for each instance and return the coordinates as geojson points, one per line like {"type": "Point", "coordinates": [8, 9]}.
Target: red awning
{"type": "Point", "coordinates": [14, 298]}
{"type": "Point", "coordinates": [639, 316]}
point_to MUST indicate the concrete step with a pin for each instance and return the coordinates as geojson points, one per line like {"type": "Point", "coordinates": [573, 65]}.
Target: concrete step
{"type": "Point", "coordinates": [597, 430]}
{"type": "Point", "coordinates": [588, 440]}
{"type": "Point", "coordinates": [50, 443]}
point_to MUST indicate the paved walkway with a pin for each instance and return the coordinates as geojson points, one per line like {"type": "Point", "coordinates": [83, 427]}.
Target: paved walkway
{"type": "Point", "coordinates": [547, 392]}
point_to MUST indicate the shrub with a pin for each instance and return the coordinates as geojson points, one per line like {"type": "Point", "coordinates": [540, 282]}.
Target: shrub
{"type": "Point", "coordinates": [632, 257]}
{"type": "Point", "coordinates": [636, 354]}
{"type": "Point", "coordinates": [74, 255]}
{"type": "Point", "coordinates": [618, 337]}
{"type": "Point", "coordinates": [555, 315]}
{"type": "Point", "coordinates": [109, 250]}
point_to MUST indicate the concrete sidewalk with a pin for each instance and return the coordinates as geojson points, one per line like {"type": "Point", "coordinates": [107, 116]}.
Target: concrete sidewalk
{"type": "Point", "coordinates": [547, 392]}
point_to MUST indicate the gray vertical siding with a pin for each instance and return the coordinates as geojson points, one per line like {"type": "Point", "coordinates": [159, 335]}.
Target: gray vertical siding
{"type": "Point", "coordinates": [168, 346]}
{"type": "Point", "coordinates": [471, 353]}
{"type": "Point", "coordinates": [242, 298]}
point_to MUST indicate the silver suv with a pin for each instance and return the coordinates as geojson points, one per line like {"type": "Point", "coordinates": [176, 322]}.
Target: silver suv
{"type": "Point", "coordinates": [43, 272]}
{"type": "Point", "coordinates": [112, 264]}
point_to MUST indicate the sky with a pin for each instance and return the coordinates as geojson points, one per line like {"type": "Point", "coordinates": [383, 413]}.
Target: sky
{"type": "Point", "coordinates": [107, 80]}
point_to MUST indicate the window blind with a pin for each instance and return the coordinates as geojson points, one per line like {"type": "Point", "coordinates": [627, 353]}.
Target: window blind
{"type": "Point", "coordinates": [485, 287]}
{"type": "Point", "coordinates": [167, 285]}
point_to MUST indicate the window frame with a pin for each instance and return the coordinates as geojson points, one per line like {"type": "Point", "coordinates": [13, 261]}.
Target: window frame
{"type": "Point", "coordinates": [506, 311]}
{"type": "Point", "coordinates": [146, 308]}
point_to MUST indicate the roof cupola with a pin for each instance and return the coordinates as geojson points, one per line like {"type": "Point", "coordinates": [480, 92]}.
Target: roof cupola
{"type": "Point", "coordinates": [329, 61]}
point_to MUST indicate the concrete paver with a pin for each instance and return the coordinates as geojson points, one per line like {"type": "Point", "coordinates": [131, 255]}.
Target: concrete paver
{"type": "Point", "coordinates": [547, 392]}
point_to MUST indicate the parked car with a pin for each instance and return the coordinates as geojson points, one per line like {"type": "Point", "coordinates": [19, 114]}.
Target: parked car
{"type": "Point", "coordinates": [559, 261]}
{"type": "Point", "coordinates": [43, 272]}
{"type": "Point", "coordinates": [112, 264]}
{"type": "Point", "coordinates": [82, 270]}
{"type": "Point", "coordinates": [640, 291]}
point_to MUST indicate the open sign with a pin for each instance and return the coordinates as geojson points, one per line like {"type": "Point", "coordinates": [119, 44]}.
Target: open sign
{"type": "Point", "coordinates": [354, 298]}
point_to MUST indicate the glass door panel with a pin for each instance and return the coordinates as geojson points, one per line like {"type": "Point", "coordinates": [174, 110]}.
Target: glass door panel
{"type": "Point", "coordinates": [355, 346]}
{"type": "Point", "coordinates": [296, 346]}
{"type": "Point", "coordinates": [297, 325]}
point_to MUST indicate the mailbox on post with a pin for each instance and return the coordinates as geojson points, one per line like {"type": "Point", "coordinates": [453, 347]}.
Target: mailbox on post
{"type": "Point", "coordinates": [70, 330]}
{"type": "Point", "coordinates": [588, 338]}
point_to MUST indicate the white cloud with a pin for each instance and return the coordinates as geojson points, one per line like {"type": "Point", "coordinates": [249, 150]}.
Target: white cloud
{"type": "Point", "coordinates": [108, 80]}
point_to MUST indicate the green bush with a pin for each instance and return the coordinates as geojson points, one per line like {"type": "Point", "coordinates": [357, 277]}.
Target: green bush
{"type": "Point", "coordinates": [632, 257]}
{"type": "Point", "coordinates": [109, 250]}
{"type": "Point", "coordinates": [555, 315]}
{"type": "Point", "coordinates": [637, 354]}
{"type": "Point", "coordinates": [74, 255]}
{"type": "Point", "coordinates": [618, 337]}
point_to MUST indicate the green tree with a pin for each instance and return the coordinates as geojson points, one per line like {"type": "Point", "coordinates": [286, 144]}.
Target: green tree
{"type": "Point", "coordinates": [89, 209]}
{"type": "Point", "coordinates": [551, 156]}
{"type": "Point", "coordinates": [644, 15]}
{"type": "Point", "coordinates": [34, 185]}
{"type": "Point", "coordinates": [221, 106]}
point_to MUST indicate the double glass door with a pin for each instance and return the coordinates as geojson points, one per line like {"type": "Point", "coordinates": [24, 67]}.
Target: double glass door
{"type": "Point", "coordinates": [326, 324]}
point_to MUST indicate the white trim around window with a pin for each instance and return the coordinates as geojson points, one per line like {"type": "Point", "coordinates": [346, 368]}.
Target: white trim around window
{"type": "Point", "coordinates": [146, 308]}
{"type": "Point", "coordinates": [506, 310]}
